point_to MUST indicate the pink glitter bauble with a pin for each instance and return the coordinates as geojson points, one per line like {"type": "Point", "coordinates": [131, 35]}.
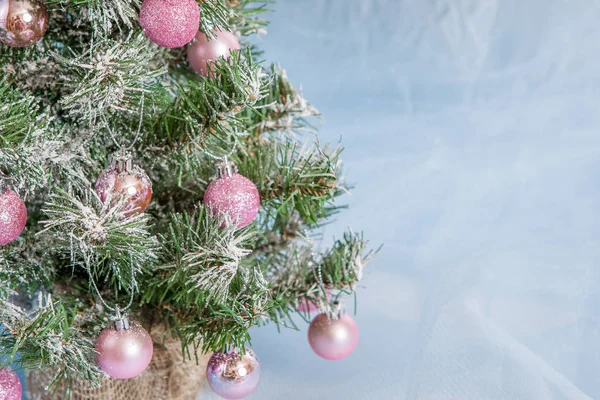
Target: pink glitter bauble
{"type": "Point", "coordinates": [333, 339]}
{"type": "Point", "coordinates": [13, 217]}
{"type": "Point", "coordinates": [134, 185]}
{"type": "Point", "coordinates": [231, 376]}
{"type": "Point", "coordinates": [10, 385]}
{"type": "Point", "coordinates": [170, 23]}
{"type": "Point", "coordinates": [126, 353]}
{"type": "Point", "coordinates": [235, 196]}
{"type": "Point", "coordinates": [203, 50]}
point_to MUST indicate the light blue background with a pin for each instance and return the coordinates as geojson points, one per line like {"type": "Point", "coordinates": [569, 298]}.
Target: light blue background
{"type": "Point", "coordinates": [471, 133]}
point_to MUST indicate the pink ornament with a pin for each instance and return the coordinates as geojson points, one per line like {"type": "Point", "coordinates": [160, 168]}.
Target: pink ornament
{"type": "Point", "coordinates": [22, 22]}
{"type": "Point", "coordinates": [170, 23]}
{"type": "Point", "coordinates": [10, 385]}
{"type": "Point", "coordinates": [13, 216]}
{"type": "Point", "coordinates": [203, 50]}
{"type": "Point", "coordinates": [333, 339]}
{"type": "Point", "coordinates": [132, 183]}
{"type": "Point", "coordinates": [307, 306]}
{"type": "Point", "coordinates": [125, 353]}
{"type": "Point", "coordinates": [231, 376]}
{"type": "Point", "coordinates": [233, 195]}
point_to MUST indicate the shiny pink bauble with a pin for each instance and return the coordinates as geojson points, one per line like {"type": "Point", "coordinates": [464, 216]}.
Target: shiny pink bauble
{"type": "Point", "coordinates": [231, 376]}
{"type": "Point", "coordinates": [10, 385]}
{"type": "Point", "coordinates": [204, 50]}
{"type": "Point", "coordinates": [135, 186]}
{"type": "Point", "coordinates": [13, 217]}
{"type": "Point", "coordinates": [22, 22]}
{"type": "Point", "coordinates": [170, 23]}
{"type": "Point", "coordinates": [333, 339]}
{"type": "Point", "coordinates": [126, 353]}
{"type": "Point", "coordinates": [235, 196]}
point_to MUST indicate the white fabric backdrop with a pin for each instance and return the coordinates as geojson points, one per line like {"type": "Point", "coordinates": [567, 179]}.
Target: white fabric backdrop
{"type": "Point", "coordinates": [471, 129]}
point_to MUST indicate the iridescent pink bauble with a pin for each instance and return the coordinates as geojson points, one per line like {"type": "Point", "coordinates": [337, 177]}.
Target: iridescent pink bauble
{"type": "Point", "coordinates": [231, 376]}
{"type": "Point", "coordinates": [170, 23]}
{"type": "Point", "coordinates": [235, 196]}
{"type": "Point", "coordinates": [10, 385]}
{"type": "Point", "coordinates": [22, 22]}
{"type": "Point", "coordinates": [126, 353]}
{"type": "Point", "coordinates": [133, 185]}
{"type": "Point", "coordinates": [13, 217]}
{"type": "Point", "coordinates": [203, 50]}
{"type": "Point", "coordinates": [333, 339]}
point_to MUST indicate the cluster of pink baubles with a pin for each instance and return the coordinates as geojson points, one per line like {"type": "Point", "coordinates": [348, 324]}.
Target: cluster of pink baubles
{"type": "Point", "coordinates": [175, 23]}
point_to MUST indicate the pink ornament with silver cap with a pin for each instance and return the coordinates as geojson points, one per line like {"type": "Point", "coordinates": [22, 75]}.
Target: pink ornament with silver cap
{"type": "Point", "coordinates": [232, 375]}
{"type": "Point", "coordinates": [204, 50]}
{"type": "Point", "coordinates": [333, 338]}
{"type": "Point", "coordinates": [232, 196]}
{"type": "Point", "coordinates": [125, 182]}
{"type": "Point", "coordinates": [124, 349]}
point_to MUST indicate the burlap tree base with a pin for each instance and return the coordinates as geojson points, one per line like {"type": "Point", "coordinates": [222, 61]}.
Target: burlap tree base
{"type": "Point", "coordinates": [167, 378]}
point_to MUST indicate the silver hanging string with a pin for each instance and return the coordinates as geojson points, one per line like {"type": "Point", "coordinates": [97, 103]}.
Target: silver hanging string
{"type": "Point", "coordinates": [117, 310]}
{"type": "Point", "coordinates": [227, 155]}
{"type": "Point", "coordinates": [137, 134]}
{"type": "Point", "coordinates": [215, 157]}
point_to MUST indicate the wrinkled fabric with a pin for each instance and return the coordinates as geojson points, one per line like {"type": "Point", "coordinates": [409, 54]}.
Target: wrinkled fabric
{"type": "Point", "coordinates": [472, 136]}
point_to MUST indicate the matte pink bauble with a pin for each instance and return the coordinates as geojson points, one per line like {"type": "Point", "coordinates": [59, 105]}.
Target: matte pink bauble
{"type": "Point", "coordinates": [125, 353]}
{"type": "Point", "coordinates": [333, 339]}
{"type": "Point", "coordinates": [13, 216]}
{"type": "Point", "coordinates": [235, 196]}
{"type": "Point", "coordinates": [133, 184]}
{"type": "Point", "coordinates": [10, 385]}
{"type": "Point", "coordinates": [170, 23]}
{"type": "Point", "coordinates": [232, 376]}
{"type": "Point", "coordinates": [203, 50]}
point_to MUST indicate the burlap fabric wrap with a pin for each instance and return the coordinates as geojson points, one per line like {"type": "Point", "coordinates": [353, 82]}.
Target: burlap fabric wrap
{"type": "Point", "coordinates": [167, 378]}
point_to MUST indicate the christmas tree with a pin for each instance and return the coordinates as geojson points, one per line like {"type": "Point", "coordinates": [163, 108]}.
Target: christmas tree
{"type": "Point", "coordinates": [154, 172]}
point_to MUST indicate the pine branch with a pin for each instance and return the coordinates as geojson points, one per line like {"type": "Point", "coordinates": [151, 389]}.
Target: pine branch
{"type": "Point", "coordinates": [282, 109]}
{"type": "Point", "coordinates": [19, 115]}
{"type": "Point", "coordinates": [41, 156]}
{"type": "Point", "coordinates": [216, 325]}
{"type": "Point", "coordinates": [104, 16]}
{"type": "Point", "coordinates": [111, 76]}
{"type": "Point", "coordinates": [99, 238]}
{"type": "Point", "coordinates": [246, 19]}
{"type": "Point", "coordinates": [215, 16]}
{"type": "Point", "coordinates": [47, 338]}
{"type": "Point", "coordinates": [24, 267]}
{"type": "Point", "coordinates": [293, 179]}
{"type": "Point", "coordinates": [200, 257]}
{"type": "Point", "coordinates": [204, 113]}
{"type": "Point", "coordinates": [204, 284]}
{"type": "Point", "coordinates": [297, 275]}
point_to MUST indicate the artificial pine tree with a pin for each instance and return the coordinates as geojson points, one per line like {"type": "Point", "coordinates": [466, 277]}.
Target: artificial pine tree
{"type": "Point", "coordinates": [100, 119]}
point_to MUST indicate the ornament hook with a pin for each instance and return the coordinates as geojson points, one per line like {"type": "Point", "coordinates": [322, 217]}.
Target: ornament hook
{"type": "Point", "coordinates": [120, 321]}
{"type": "Point", "coordinates": [121, 160]}
{"type": "Point", "coordinates": [338, 309]}
{"type": "Point", "coordinates": [225, 168]}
